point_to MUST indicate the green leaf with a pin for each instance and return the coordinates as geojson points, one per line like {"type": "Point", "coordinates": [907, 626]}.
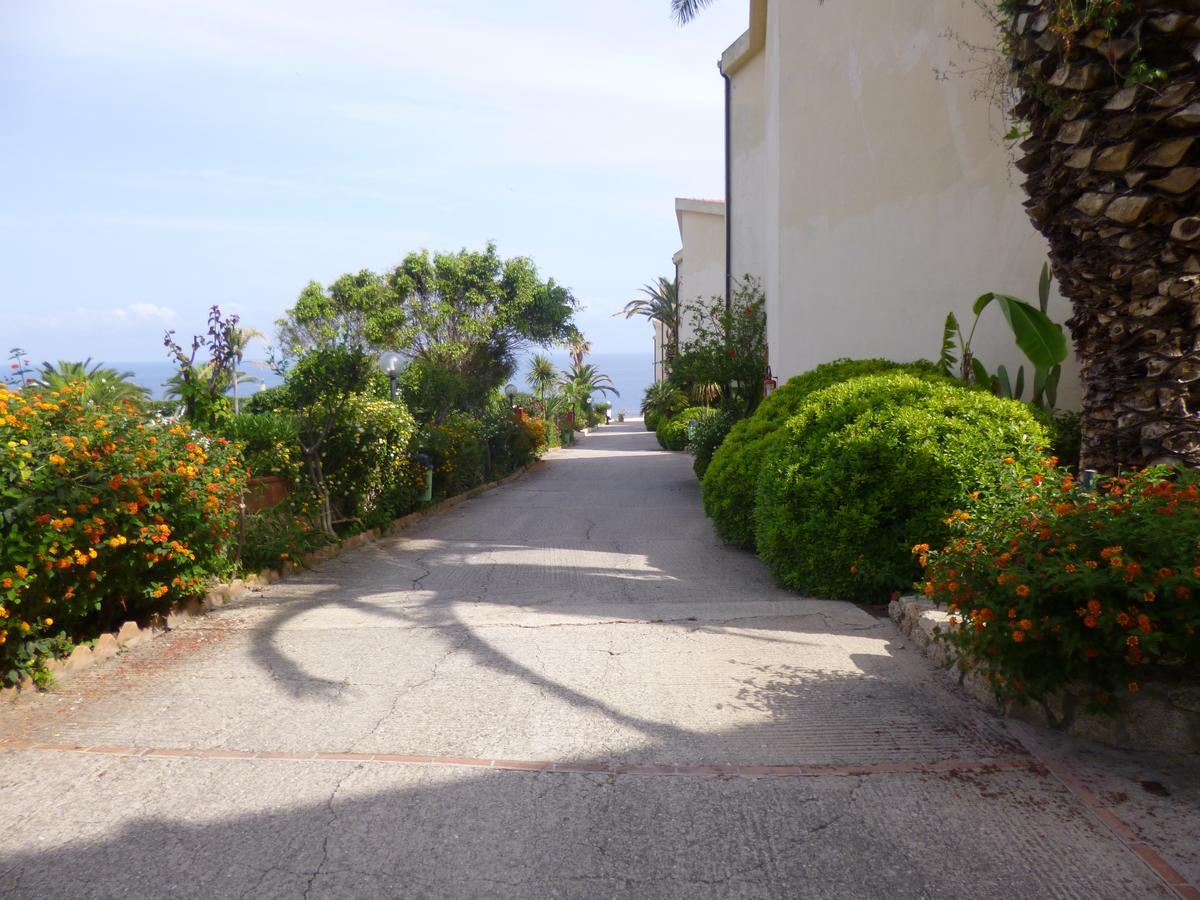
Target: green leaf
{"type": "Point", "coordinates": [1019, 384]}
{"type": "Point", "coordinates": [1039, 338]}
{"type": "Point", "coordinates": [980, 373]}
{"type": "Point", "coordinates": [1052, 386]}
{"type": "Point", "coordinates": [948, 360]}
{"type": "Point", "coordinates": [1044, 287]}
{"type": "Point", "coordinates": [1039, 387]}
{"type": "Point", "coordinates": [1003, 383]}
{"type": "Point", "coordinates": [982, 303]}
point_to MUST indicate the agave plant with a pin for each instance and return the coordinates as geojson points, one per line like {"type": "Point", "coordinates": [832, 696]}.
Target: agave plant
{"type": "Point", "coordinates": [1110, 101]}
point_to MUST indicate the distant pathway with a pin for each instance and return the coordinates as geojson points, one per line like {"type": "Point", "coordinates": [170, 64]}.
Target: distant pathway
{"type": "Point", "coordinates": [564, 688]}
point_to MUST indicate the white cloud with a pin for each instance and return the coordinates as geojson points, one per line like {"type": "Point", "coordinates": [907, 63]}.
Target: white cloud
{"type": "Point", "coordinates": [91, 317]}
{"type": "Point", "coordinates": [145, 311]}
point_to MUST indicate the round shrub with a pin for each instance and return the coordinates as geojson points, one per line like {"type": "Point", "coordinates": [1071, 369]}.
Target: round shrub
{"type": "Point", "coordinates": [673, 433]}
{"type": "Point", "coordinates": [1051, 587]}
{"type": "Point", "coordinates": [731, 478]}
{"type": "Point", "coordinates": [872, 466]}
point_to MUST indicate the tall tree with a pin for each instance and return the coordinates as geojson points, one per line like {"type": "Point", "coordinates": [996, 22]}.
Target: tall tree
{"type": "Point", "coordinates": [469, 312]}
{"type": "Point", "coordinates": [578, 347]}
{"type": "Point", "coordinates": [583, 380]}
{"type": "Point", "coordinates": [542, 376]}
{"type": "Point", "coordinates": [1109, 97]}
{"type": "Point", "coordinates": [660, 303]}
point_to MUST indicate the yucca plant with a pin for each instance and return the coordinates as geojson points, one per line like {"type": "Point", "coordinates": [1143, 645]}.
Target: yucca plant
{"type": "Point", "coordinates": [1111, 107]}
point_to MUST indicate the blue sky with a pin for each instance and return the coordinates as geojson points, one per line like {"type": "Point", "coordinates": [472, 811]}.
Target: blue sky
{"type": "Point", "coordinates": [159, 157]}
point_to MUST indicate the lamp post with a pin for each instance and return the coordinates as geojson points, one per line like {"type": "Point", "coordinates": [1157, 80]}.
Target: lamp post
{"type": "Point", "coordinates": [392, 364]}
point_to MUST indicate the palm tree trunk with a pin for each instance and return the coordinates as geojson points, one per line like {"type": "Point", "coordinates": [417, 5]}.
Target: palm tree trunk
{"type": "Point", "coordinates": [1113, 168]}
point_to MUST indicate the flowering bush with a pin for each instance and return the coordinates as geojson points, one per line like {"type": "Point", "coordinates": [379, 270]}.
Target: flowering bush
{"type": "Point", "coordinates": [871, 466]}
{"type": "Point", "coordinates": [457, 453]}
{"type": "Point", "coordinates": [367, 462]}
{"type": "Point", "coordinates": [1051, 585]}
{"type": "Point", "coordinates": [103, 517]}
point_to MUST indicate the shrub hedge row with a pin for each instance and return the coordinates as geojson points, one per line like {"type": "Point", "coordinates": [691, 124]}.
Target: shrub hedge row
{"type": "Point", "coordinates": [731, 479]}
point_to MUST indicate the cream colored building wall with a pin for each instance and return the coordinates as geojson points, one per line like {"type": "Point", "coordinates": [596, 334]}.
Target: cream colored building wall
{"type": "Point", "coordinates": [887, 196]}
{"type": "Point", "coordinates": [748, 174]}
{"type": "Point", "coordinates": [701, 261]}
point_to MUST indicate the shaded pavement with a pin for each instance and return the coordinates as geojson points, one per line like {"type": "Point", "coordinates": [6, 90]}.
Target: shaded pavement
{"type": "Point", "coordinates": [564, 688]}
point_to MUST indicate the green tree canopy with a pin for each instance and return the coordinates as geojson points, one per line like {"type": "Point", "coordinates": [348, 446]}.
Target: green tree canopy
{"type": "Point", "coordinates": [469, 312]}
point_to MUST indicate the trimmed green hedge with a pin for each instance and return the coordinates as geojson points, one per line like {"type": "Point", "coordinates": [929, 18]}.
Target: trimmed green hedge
{"type": "Point", "coordinates": [673, 433]}
{"type": "Point", "coordinates": [872, 466]}
{"type": "Point", "coordinates": [706, 436]}
{"type": "Point", "coordinates": [731, 478]}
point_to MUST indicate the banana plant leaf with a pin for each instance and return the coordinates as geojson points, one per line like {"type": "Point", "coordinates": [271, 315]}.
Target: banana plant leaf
{"type": "Point", "coordinates": [1040, 339]}
{"type": "Point", "coordinates": [949, 360]}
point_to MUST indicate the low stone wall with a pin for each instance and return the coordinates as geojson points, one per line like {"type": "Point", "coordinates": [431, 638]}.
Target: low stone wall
{"type": "Point", "coordinates": [131, 634]}
{"type": "Point", "coordinates": [1161, 717]}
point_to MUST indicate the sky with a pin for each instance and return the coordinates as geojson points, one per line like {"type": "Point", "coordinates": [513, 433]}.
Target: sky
{"type": "Point", "coordinates": [160, 156]}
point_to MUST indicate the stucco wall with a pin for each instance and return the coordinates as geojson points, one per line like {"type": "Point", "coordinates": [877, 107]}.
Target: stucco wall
{"type": "Point", "coordinates": [702, 259]}
{"type": "Point", "coordinates": [888, 194]}
{"type": "Point", "coordinates": [748, 156]}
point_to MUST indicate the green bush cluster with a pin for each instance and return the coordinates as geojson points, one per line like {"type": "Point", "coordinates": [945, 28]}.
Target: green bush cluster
{"type": "Point", "coordinates": [868, 468]}
{"type": "Point", "coordinates": [672, 433]}
{"type": "Point", "coordinates": [706, 435]}
{"type": "Point", "coordinates": [731, 478]}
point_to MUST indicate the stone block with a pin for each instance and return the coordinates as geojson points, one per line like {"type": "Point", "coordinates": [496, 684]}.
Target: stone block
{"type": "Point", "coordinates": [129, 634]}
{"type": "Point", "coordinates": [81, 658]}
{"type": "Point", "coordinates": [106, 647]}
{"type": "Point", "coordinates": [215, 599]}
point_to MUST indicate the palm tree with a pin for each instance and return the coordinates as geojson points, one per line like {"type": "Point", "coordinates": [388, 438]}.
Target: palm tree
{"type": "Point", "coordinates": [686, 10]}
{"type": "Point", "coordinates": [239, 338]}
{"type": "Point", "coordinates": [542, 376]}
{"type": "Point", "coordinates": [582, 380]}
{"type": "Point", "coordinates": [660, 304]}
{"type": "Point", "coordinates": [1108, 95]}
{"type": "Point", "coordinates": [579, 347]}
{"type": "Point", "coordinates": [103, 386]}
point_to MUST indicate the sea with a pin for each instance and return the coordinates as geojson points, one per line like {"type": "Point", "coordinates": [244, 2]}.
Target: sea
{"type": "Point", "coordinates": [631, 374]}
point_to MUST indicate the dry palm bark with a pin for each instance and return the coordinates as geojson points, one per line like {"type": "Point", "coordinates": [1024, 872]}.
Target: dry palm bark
{"type": "Point", "coordinates": [1113, 166]}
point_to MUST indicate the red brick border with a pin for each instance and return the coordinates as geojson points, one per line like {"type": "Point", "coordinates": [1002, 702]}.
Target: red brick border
{"type": "Point", "coordinates": [533, 765]}
{"type": "Point", "coordinates": [1170, 876]}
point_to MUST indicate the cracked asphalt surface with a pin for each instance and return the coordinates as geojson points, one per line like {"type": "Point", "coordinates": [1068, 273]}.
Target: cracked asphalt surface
{"type": "Point", "coordinates": [584, 616]}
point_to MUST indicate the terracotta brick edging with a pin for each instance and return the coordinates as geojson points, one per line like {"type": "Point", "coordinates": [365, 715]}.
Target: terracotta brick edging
{"type": "Point", "coordinates": [131, 634]}
{"type": "Point", "coordinates": [1162, 718]}
{"type": "Point", "coordinates": [818, 770]}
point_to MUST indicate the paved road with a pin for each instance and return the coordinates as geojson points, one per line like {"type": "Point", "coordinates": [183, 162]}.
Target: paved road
{"type": "Point", "coordinates": [564, 688]}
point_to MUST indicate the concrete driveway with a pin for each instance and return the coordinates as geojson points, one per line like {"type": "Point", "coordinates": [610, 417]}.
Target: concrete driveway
{"type": "Point", "coordinates": [564, 688]}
